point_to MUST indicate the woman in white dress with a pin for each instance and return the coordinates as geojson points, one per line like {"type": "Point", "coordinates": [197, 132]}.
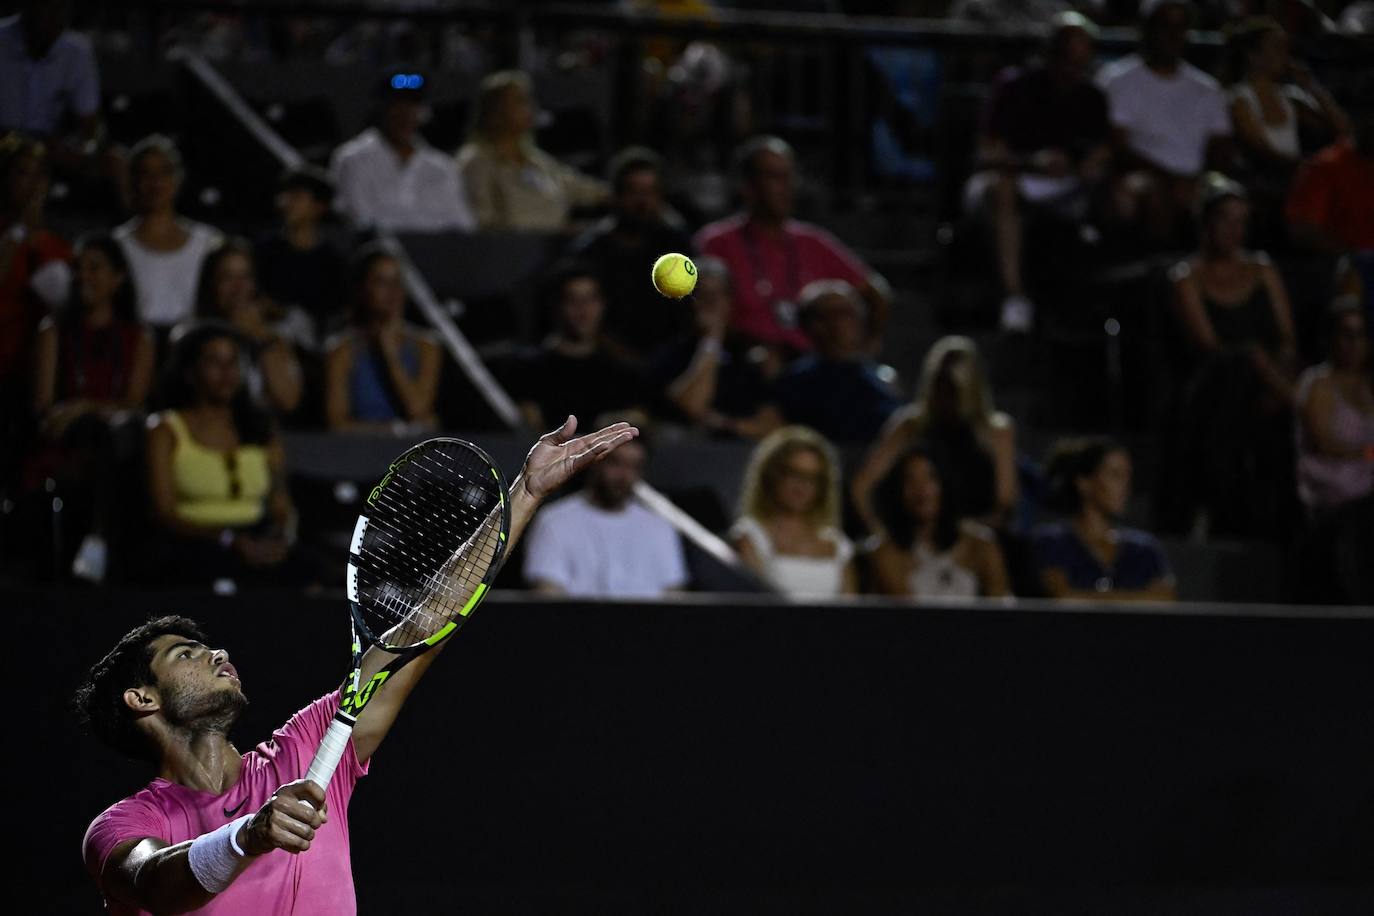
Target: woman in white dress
{"type": "Point", "coordinates": [926, 551]}
{"type": "Point", "coordinates": [789, 526]}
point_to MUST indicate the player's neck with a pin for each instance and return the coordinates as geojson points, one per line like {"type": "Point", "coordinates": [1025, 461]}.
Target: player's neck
{"type": "Point", "coordinates": [202, 760]}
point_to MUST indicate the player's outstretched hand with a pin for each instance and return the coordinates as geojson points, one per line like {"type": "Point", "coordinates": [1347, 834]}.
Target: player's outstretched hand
{"type": "Point", "coordinates": [557, 456]}
{"type": "Point", "coordinates": [285, 823]}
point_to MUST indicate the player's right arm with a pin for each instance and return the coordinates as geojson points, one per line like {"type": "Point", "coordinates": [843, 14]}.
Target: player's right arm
{"type": "Point", "coordinates": [156, 876]}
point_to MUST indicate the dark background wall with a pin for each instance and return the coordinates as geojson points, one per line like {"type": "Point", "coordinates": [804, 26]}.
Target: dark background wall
{"type": "Point", "coordinates": [720, 758]}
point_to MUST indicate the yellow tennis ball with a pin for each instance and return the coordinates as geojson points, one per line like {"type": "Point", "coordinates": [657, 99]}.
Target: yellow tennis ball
{"type": "Point", "coordinates": [675, 275]}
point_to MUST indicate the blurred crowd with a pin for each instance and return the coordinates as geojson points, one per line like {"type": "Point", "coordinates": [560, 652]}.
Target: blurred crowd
{"type": "Point", "coordinates": [150, 368]}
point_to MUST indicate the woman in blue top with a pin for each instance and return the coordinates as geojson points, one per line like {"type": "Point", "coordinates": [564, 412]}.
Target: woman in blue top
{"type": "Point", "coordinates": [381, 374]}
{"type": "Point", "coordinates": [1089, 556]}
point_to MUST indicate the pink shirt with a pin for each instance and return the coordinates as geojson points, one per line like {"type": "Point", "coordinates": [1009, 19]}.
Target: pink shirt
{"type": "Point", "coordinates": [768, 272]}
{"type": "Point", "coordinates": [279, 883]}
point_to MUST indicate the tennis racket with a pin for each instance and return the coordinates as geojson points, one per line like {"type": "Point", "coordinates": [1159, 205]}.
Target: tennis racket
{"type": "Point", "coordinates": [425, 549]}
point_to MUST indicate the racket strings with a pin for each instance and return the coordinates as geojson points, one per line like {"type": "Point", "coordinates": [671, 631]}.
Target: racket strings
{"type": "Point", "coordinates": [433, 533]}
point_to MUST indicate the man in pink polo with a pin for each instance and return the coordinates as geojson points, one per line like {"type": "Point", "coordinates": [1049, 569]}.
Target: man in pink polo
{"type": "Point", "coordinates": [223, 833]}
{"type": "Point", "coordinates": [772, 256]}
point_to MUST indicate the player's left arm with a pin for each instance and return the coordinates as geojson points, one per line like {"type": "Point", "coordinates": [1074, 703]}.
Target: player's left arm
{"type": "Point", "coordinates": [553, 460]}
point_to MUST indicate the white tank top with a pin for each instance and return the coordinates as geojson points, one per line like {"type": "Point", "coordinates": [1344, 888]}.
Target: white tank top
{"type": "Point", "coordinates": [798, 576]}
{"type": "Point", "coordinates": [937, 576]}
{"type": "Point", "coordinates": [1282, 137]}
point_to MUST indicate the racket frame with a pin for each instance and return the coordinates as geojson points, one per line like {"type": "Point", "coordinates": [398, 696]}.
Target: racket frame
{"type": "Point", "coordinates": [353, 695]}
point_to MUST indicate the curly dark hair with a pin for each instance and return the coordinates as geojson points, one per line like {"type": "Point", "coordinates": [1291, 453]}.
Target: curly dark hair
{"type": "Point", "coordinates": [99, 701]}
{"type": "Point", "coordinates": [892, 511]}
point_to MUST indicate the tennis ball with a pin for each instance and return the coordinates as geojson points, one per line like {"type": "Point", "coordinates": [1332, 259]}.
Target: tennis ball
{"type": "Point", "coordinates": [675, 275]}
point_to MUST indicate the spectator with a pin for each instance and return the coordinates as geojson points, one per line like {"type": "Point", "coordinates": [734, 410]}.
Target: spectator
{"type": "Point", "coordinates": [1044, 149]}
{"type": "Point", "coordinates": [1090, 557]}
{"type": "Point", "coordinates": [1335, 442]}
{"type": "Point", "coordinates": [34, 274]}
{"type": "Point", "coordinates": [953, 417]}
{"type": "Point", "coordinates": [789, 526]}
{"type": "Point", "coordinates": [1234, 314]}
{"type": "Point", "coordinates": [216, 469]}
{"type": "Point", "coordinates": [835, 390]}
{"type": "Point", "coordinates": [771, 256]}
{"type": "Point", "coordinates": [389, 178]}
{"type": "Point", "coordinates": [600, 542]}
{"type": "Point", "coordinates": [512, 183]}
{"type": "Point", "coordinates": [1170, 120]}
{"type": "Point", "coordinates": [228, 290]}
{"type": "Point", "coordinates": [639, 229]}
{"type": "Point", "coordinates": [1273, 95]}
{"type": "Point", "coordinates": [95, 358]}
{"type": "Point", "coordinates": [381, 374]}
{"type": "Point", "coordinates": [164, 250]}
{"type": "Point", "coordinates": [92, 374]}
{"type": "Point", "coordinates": [1335, 418]}
{"type": "Point", "coordinates": [573, 374]}
{"type": "Point", "coordinates": [50, 87]}
{"type": "Point", "coordinates": [1331, 206]}
{"type": "Point", "coordinates": [297, 266]}
{"type": "Point", "coordinates": [926, 551]}
{"type": "Point", "coordinates": [712, 379]}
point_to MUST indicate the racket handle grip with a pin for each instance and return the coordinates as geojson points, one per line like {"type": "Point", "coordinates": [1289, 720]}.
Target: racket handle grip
{"type": "Point", "coordinates": [331, 751]}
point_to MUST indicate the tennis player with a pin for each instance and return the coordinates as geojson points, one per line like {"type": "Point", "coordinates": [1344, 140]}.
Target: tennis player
{"type": "Point", "coordinates": [221, 832]}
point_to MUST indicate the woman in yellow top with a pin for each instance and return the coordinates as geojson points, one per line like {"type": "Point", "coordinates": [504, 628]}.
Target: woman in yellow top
{"type": "Point", "coordinates": [216, 471]}
{"type": "Point", "coordinates": [510, 182]}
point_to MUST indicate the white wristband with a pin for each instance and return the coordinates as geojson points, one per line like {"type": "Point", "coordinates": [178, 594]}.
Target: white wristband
{"type": "Point", "coordinates": [214, 857]}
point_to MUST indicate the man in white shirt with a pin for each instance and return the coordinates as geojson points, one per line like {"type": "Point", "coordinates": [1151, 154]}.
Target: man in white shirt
{"type": "Point", "coordinates": [389, 178]}
{"type": "Point", "coordinates": [1170, 121]}
{"type": "Point", "coordinates": [601, 543]}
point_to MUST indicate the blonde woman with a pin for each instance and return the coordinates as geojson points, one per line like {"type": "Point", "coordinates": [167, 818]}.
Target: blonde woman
{"type": "Point", "coordinates": [789, 526]}
{"type": "Point", "coordinates": [511, 183]}
{"type": "Point", "coordinates": [954, 419]}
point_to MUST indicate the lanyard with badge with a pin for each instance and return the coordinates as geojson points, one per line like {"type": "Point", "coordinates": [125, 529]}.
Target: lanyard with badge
{"type": "Point", "coordinates": [784, 308]}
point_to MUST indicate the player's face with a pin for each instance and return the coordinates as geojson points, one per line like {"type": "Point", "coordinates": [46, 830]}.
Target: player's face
{"type": "Point", "coordinates": [97, 279]}
{"type": "Point", "coordinates": [613, 479]}
{"type": "Point", "coordinates": [640, 199]}
{"type": "Point", "coordinates": [1109, 488]}
{"type": "Point", "coordinates": [196, 684]}
{"type": "Point", "coordinates": [800, 481]}
{"type": "Point", "coordinates": [156, 181]}
{"type": "Point", "coordinates": [1350, 348]}
{"type": "Point", "coordinates": [772, 185]}
{"type": "Point", "coordinates": [235, 285]}
{"type": "Point", "coordinates": [581, 308]}
{"type": "Point", "coordinates": [921, 490]}
{"type": "Point", "coordinates": [215, 374]}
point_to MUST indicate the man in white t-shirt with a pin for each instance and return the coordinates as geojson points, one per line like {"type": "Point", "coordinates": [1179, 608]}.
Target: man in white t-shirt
{"type": "Point", "coordinates": [389, 178]}
{"type": "Point", "coordinates": [601, 543]}
{"type": "Point", "coordinates": [1170, 121]}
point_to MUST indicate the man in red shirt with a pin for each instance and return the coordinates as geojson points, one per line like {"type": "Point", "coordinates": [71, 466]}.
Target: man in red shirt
{"type": "Point", "coordinates": [771, 256]}
{"type": "Point", "coordinates": [1331, 206]}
